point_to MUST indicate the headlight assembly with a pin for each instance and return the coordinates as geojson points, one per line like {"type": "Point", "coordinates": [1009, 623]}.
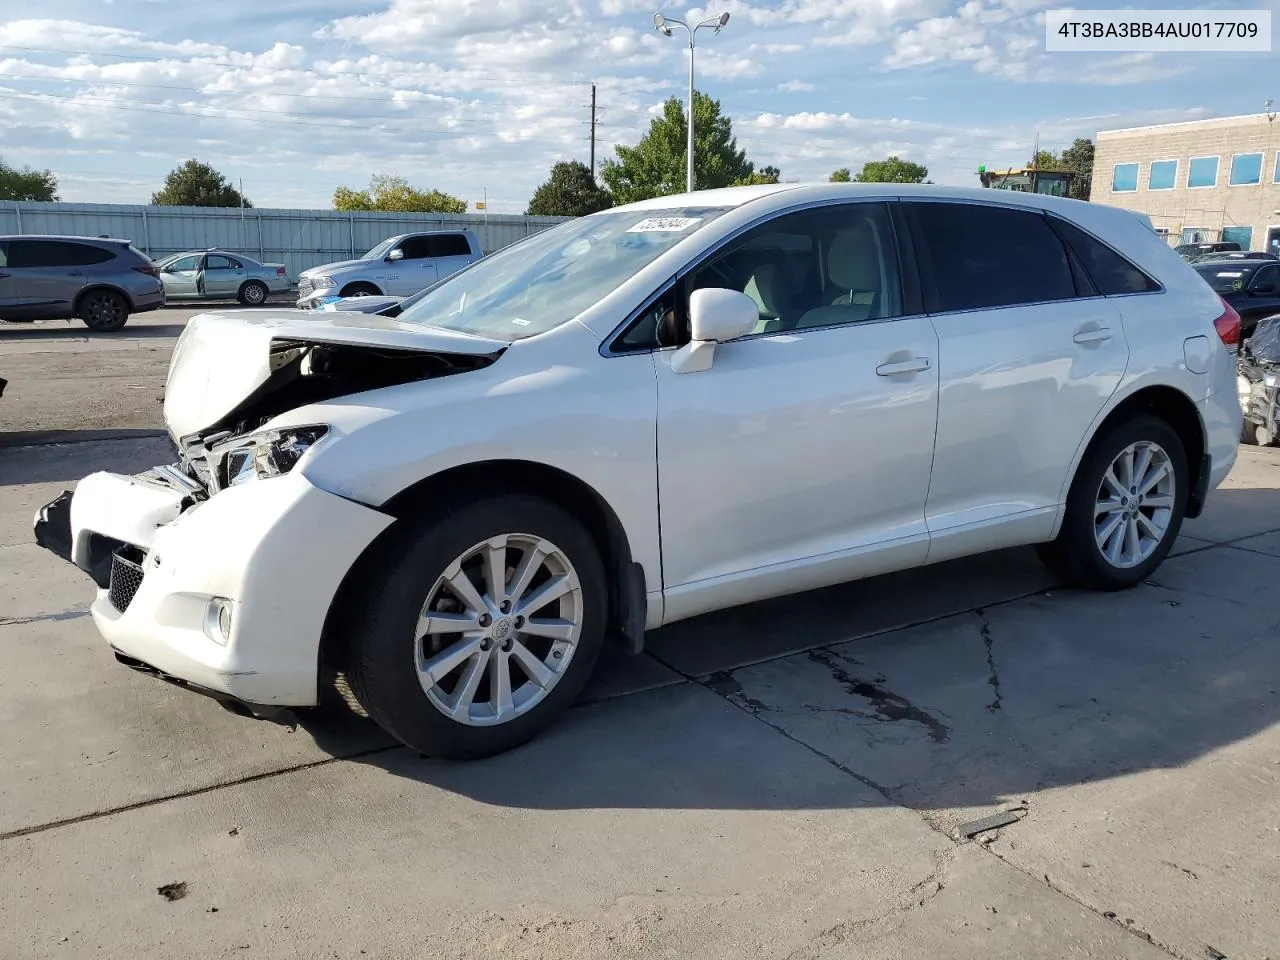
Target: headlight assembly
{"type": "Point", "coordinates": [271, 453]}
{"type": "Point", "coordinates": [318, 282]}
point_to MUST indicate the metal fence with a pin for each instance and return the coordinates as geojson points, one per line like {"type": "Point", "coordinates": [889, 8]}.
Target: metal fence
{"type": "Point", "coordinates": [297, 238]}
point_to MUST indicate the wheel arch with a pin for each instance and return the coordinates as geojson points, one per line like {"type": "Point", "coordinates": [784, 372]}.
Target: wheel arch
{"type": "Point", "coordinates": [96, 287]}
{"type": "Point", "coordinates": [1172, 406]}
{"type": "Point", "coordinates": [483, 479]}
{"type": "Point", "coordinates": [346, 288]}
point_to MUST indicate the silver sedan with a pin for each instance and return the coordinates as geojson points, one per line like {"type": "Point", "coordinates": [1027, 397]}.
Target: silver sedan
{"type": "Point", "coordinates": [218, 275]}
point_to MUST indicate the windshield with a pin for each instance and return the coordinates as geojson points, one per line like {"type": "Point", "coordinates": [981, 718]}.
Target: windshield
{"type": "Point", "coordinates": [541, 282]}
{"type": "Point", "coordinates": [1225, 277]}
{"type": "Point", "coordinates": [380, 250]}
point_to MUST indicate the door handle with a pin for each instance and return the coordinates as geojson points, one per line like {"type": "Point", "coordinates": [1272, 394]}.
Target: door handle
{"type": "Point", "coordinates": [898, 368]}
{"type": "Point", "coordinates": [1098, 335]}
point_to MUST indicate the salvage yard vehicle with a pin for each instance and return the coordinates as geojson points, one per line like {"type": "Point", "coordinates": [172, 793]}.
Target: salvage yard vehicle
{"type": "Point", "coordinates": [398, 266]}
{"type": "Point", "coordinates": [646, 414]}
{"type": "Point", "coordinates": [100, 280]}
{"type": "Point", "coordinates": [218, 275]}
{"type": "Point", "coordinates": [1259, 383]}
{"type": "Point", "coordinates": [1252, 287]}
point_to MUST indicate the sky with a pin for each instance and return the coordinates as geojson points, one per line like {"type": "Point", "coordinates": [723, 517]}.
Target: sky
{"type": "Point", "coordinates": [297, 97]}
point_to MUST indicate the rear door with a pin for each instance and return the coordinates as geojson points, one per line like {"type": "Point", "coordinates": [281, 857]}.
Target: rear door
{"type": "Point", "coordinates": [45, 276]}
{"type": "Point", "coordinates": [179, 278]}
{"type": "Point", "coordinates": [416, 271]}
{"type": "Point", "coordinates": [222, 276]}
{"type": "Point", "coordinates": [451, 252]}
{"type": "Point", "coordinates": [1029, 354]}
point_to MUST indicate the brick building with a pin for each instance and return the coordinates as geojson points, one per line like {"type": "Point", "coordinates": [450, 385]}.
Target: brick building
{"type": "Point", "coordinates": [1198, 181]}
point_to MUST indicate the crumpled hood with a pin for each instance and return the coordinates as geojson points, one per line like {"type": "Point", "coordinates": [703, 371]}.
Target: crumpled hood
{"type": "Point", "coordinates": [223, 358]}
{"type": "Point", "coordinates": [326, 268]}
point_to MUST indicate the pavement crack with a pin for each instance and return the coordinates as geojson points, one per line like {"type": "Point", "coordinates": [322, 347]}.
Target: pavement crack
{"type": "Point", "coordinates": [727, 685]}
{"type": "Point", "coordinates": [993, 674]}
{"type": "Point", "coordinates": [75, 613]}
{"type": "Point", "coordinates": [888, 707]}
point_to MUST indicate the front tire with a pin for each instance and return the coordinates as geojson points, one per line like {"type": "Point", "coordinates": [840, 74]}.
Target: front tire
{"type": "Point", "coordinates": [360, 290]}
{"type": "Point", "coordinates": [481, 627]}
{"type": "Point", "coordinates": [1125, 507]}
{"type": "Point", "coordinates": [103, 311]}
{"type": "Point", "coordinates": [253, 294]}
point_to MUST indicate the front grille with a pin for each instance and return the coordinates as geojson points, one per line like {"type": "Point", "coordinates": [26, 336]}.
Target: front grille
{"type": "Point", "coordinates": [304, 288]}
{"type": "Point", "coordinates": [126, 576]}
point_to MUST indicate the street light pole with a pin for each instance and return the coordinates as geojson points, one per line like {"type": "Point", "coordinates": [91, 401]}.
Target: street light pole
{"type": "Point", "coordinates": [664, 25]}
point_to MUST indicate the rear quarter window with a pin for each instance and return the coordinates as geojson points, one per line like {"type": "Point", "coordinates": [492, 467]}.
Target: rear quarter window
{"type": "Point", "coordinates": [1110, 272]}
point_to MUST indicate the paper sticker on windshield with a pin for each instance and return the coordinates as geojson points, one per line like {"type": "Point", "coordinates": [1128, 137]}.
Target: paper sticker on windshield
{"type": "Point", "coordinates": [665, 225]}
{"type": "Point", "coordinates": [1232, 273]}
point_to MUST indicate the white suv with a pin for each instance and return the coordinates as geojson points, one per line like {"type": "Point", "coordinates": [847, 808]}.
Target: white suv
{"type": "Point", "coordinates": [646, 414]}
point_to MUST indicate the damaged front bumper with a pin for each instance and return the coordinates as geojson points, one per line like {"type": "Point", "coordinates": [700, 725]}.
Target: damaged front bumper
{"type": "Point", "coordinates": [226, 595]}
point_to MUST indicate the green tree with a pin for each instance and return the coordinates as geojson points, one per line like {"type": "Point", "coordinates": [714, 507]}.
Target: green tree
{"type": "Point", "coordinates": [655, 166]}
{"type": "Point", "coordinates": [763, 175]}
{"type": "Point", "coordinates": [892, 170]}
{"type": "Point", "coordinates": [196, 184]}
{"type": "Point", "coordinates": [1078, 158]}
{"type": "Point", "coordinates": [570, 191]}
{"type": "Point", "coordinates": [1046, 160]}
{"type": "Point", "coordinates": [27, 184]}
{"type": "Point", "coordinates": [394, 195]}
{"type": "Point", "coordinates": [841, 176]}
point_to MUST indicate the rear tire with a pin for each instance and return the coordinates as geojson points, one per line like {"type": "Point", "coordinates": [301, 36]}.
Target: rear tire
{"type": "Point", "coordinates": [253, 293]}
{"type": "Point", "coordinates": [427, 660]}
{"type": "Point", "coordinates": [103, 311]}
{"type": "Point", "coordinates": [1125, 507]}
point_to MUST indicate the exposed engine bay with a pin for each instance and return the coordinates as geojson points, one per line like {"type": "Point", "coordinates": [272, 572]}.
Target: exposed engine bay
{"type": "Point", "coordinates": [303, 373]}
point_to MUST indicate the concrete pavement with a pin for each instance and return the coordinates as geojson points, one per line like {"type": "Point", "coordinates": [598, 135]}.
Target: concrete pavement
{"type": "Point", "coordinates": [780, 781]}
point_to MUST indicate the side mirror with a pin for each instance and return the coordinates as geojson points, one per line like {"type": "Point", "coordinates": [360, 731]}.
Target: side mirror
{"type": "Point", "coordinates": [716, 316]}
{"type": "Point", "coordinates": [396, 254]}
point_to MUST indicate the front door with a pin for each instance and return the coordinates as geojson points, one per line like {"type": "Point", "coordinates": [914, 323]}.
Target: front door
{"type": "Point", "coordinates": [1027, 361]}
{"type": "Point", "coordinates": [180, 278]}
{"type": "Point", "coordinates": [801, 457]}
{"type": "Point", "coordinates": [415, 272]}
{"type": "Point", "coordinates": [222, 276]}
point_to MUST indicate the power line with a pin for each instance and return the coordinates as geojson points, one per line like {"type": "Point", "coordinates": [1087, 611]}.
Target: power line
{"type": "Point", "coordinates": [143, 106]}
{"type": "Point", "coordinates": [195, 59]}
{"type": "Point", "coordinates": [459, 101]}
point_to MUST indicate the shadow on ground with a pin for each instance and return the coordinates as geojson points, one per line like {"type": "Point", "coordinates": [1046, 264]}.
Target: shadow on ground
{"type": "Point", "coordinates": [970, 709]}
{"type": "Point", "coordinates": [59, 330]}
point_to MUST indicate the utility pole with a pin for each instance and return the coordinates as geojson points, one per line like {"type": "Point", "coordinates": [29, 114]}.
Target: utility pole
{"type": "Point", "coordinates": [593, 131]}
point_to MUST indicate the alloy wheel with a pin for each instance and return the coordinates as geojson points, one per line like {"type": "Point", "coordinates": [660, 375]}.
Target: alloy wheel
{"type": "Point", "coordinates": [1134, 504]}
{"type": "Point", "coordinates": [498, 629]}
{"type": "Point", "coordinates": [104, 310]}
{"type": "Point", "coordinates": [253, 294]}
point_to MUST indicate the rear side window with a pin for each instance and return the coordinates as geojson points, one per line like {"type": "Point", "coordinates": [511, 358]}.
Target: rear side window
{"type": "Point", "coordinates": [982, 256]}
{"type": "Point", "coordinates": [448, 245]}
{"type": "Point", "coordinates": [55, 253]}
{"type": "Point", "coordinates": [1111, 273]}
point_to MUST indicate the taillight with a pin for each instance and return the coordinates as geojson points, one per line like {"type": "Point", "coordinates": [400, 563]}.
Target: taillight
{"type": "Point", "coordinates": [149, 271]}
{"type": "Point", "coordinates": [279, 271]}
{"type": "Point", "coordinates": [1228, 325]}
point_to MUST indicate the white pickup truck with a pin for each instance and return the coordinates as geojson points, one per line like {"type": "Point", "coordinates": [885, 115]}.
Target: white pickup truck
{"type": "Point", "coordinates": [398, 266]}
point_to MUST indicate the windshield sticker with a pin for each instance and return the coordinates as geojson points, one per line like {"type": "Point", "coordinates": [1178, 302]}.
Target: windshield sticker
{"type": "Point", "coordinates": [1233, 273]}
{"type": "Point", "coordinates": [665, 225]}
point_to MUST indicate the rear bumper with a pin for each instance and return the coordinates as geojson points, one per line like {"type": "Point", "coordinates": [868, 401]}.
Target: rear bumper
{"type": "Point", "coordinates": [272, 554]}
{"type": "Point", "coordinates": [148, 302]}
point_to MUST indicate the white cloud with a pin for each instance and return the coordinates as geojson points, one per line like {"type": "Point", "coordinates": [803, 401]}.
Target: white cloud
{"type": "Point", "coordinates": [796, 86]}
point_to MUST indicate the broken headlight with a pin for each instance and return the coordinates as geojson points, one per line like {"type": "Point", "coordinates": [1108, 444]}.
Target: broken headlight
{"type": "Point", "coordinates": [270, 453]}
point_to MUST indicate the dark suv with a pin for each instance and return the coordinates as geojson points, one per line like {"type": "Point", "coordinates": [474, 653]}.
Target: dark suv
{"type": "Point", "coordinates": [99, 280]}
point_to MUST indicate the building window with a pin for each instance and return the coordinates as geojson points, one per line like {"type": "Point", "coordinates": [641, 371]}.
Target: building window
{"type": "Point", "coordinates": [1246, 169]}
{"type": "Point", "coordinates": [1241, 235]}
{"type": "Point", "coordinates": [1164, 175]}
{"type": "Point", "coordinates": [1276, 177]}
{"type": "Point", "coordinates": [1124, 178]}
{"type": "Point", "coordinates": [1202, 172]}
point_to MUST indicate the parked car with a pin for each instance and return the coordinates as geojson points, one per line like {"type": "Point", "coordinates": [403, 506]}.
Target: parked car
{"type": "Point", "coordinates": [646, 414]}
{"type": "Point", "coordinates": [1234, 255]}
{"type": "Point", "coordinates": [1259, 383]}
{"type": "Point", "coordinates": [98, 279]}
{"type": "Point", "coordinates": [1252, 287]}
{"type": "Point", "coordinates": [1189, 251]}
{"type": "Point", "coordinates": [219, 275]}
{"type": "Point", "coordinates": [398, 266]}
